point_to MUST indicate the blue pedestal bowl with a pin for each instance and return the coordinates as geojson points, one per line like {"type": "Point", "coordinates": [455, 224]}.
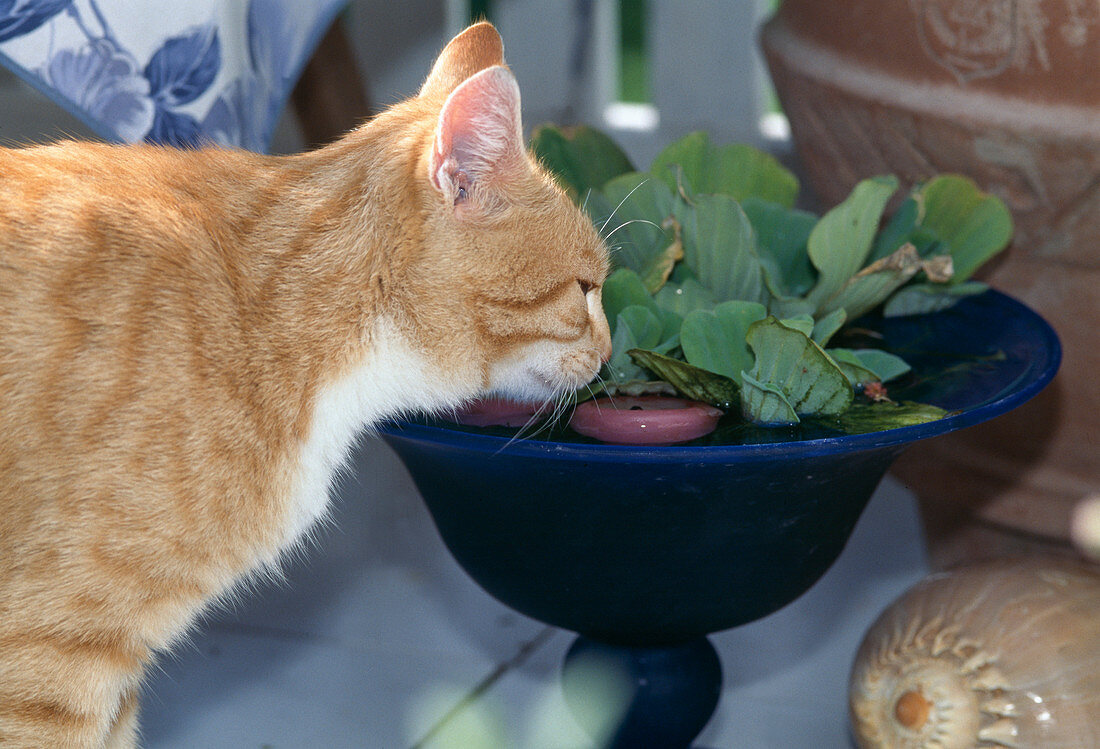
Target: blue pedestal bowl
{"type": "Point", "coordinates": [643, 551]}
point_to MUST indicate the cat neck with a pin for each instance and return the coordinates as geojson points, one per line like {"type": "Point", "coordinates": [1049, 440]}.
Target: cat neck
{"type": "Point", "coordinates": [357, 202]}
{"type": "Point", "coordinates": [329, 261]}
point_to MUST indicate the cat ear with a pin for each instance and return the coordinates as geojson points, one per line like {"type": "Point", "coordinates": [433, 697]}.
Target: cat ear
{"type": "Point", "coordinates": [476, 48]}
{"type": "Point", "coordinates": [479, 136]}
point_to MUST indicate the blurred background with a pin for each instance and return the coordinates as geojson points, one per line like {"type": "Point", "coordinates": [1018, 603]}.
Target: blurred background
{"type": "Point", "coordinates": [645, 71]}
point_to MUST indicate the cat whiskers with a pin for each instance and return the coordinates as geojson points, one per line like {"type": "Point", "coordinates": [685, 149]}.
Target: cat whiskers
{"type": "Point", "coordinates": [536, 418]}
{"type": "Point", "coordinates": [554, 409]}
{"type": "Point", "coordinates": [601, 382]}
{"type": "Point", "coordinates": [567, 398]}
{"type": "Point", "coordinates": [632, 221]}
{"type": "Point", "coordinates": [606, 236]}
{"type": "Point", "coordinates": [620, 205]}
{"type": "Point", "coordinates": [613, 379]}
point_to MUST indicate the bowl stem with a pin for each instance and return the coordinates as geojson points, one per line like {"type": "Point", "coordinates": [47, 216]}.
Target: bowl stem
{"type": "Point", "coordinates": [642, 697]}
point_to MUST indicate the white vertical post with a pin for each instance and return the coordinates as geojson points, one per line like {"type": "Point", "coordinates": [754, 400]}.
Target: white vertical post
{"type": "Point", "coordinates": [704, 67]}
{"type": "Point", "coordinates": [544, 41]}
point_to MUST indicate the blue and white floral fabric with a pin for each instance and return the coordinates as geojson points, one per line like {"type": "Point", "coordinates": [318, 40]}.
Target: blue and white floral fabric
{"type": "Point", "coordinates": [176, 72]}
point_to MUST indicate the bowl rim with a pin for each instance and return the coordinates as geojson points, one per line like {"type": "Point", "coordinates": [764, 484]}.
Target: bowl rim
{"type": "Point", "coordinates": [1037, 376]}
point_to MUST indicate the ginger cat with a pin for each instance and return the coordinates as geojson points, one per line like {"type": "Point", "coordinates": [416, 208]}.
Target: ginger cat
{"type": "Point", "coordinates": [191, 340]}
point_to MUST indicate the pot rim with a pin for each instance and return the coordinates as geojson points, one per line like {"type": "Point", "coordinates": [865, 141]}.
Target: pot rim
{"type": "Point", "coordinates": [830, 69]}
{"type": "Point", "coordinates": [1042, 342]}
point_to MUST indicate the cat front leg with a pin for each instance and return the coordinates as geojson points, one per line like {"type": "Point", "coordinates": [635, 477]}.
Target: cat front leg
{"type": "Point", "coordinates": [124, 733]}
{"type": "Point", "coordinates": [60, 693]}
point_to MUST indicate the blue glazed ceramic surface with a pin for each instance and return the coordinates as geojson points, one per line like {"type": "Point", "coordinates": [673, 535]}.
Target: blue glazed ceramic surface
{"type": "Point", "coordinates": [658, 545]}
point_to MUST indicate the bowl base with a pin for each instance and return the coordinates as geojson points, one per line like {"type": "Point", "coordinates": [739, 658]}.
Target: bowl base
{"type": "Point", "coordinates": [633, 697]}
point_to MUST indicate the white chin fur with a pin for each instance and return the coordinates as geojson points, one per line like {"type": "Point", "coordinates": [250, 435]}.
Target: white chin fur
{"type": "Point", "coordinates": [542, 371]}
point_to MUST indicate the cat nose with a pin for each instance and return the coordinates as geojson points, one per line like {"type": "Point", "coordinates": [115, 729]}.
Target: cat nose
{"type": "Point", "coordinates": [601, 332]}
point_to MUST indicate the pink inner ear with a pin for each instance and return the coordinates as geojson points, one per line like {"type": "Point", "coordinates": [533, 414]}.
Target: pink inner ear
{"type": "Point", "coordinates": [479, 135]}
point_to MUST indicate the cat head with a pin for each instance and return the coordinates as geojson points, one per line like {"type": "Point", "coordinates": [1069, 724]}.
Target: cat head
{"type": "Point", "coordinates": [526, 265]}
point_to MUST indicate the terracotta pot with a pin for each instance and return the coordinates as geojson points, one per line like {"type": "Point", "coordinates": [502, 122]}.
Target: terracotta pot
{"type": "Point", "coordinates": [1008, 92]}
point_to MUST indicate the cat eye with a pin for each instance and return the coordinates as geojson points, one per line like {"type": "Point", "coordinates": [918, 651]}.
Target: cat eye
{"type": "Point", "coordinates": [585, 286]}
{"type": "Point", "coordinates": [463, 181]}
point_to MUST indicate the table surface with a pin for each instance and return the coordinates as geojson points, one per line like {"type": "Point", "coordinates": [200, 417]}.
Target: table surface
{"type": "Point", "coordinates": [376, 638]}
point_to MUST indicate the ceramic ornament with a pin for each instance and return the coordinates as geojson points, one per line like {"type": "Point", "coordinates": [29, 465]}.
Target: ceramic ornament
{"type": "Point", "coordinates": [1085, 529]}
{"type": "Point", "coordinates": [1000, 654]}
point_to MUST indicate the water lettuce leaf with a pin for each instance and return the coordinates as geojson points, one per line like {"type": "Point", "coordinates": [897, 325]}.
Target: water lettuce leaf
{"type": "Point", "coordinates": [581, 158]}
{"type": "Point", "coordinates": [659, 267]}
{"type": "Point", "coordinates": [871, 286]}
{"type": "Point", "coordinates": [857, 374]}
{"type": "Point", "coordinates": [924, 298]}
{"type": "Point", "coordinates": [636, 228]}
{"type": "Point", "coordinates": [690, 381]}
{"type": "Point", "coordinates": [692, 166]}
{"type": "Point", "coordinates": [828, 326]}
{"type": "Point", "coordinates": [790, 363]}
{"type": "Point", "coordinates": [972, 225]}
{"type": "Point", "coordinates": [765, 404]}
{"type": "Point", "coordinates": [949, 215]}
{"type": "Point", "coordinates": [903, 226]}
{"type": "Point", "coordinates": [804, 324]}
{"type": "Point", "coordinates": [716, 340]}
{"type": "Point", "coordinates": [839, 244]}
{"type": "Point", "coordinates": [622, 289]}
{"type": "Point", "coordinates": [869, 365]}
{"type": "Point", "coordinates": [720, 249]}
{"type": "Point", "coordinates": [686, 297]}
{"type": "Point", "coordinates": [886, 366]}
{"type": "Point", "coordinates": [636, 326]}
{"type": "Point", "coordinates": [781, 237]}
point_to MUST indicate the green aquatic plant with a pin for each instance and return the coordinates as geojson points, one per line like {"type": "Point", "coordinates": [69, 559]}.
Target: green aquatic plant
{"type": "Point", "coordinates": [725, 291]}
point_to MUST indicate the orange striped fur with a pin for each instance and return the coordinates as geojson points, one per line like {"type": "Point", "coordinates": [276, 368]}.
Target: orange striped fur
{"type": "Point", "coordinates": [190, 341]}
